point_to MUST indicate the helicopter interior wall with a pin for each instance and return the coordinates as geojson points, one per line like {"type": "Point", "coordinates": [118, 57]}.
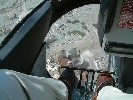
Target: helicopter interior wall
{"type": "Point", "coordinates": [119, 36]}
{"type": "Point", "coordinates": [127, 73]}
{"type": "Point", "coordinates": [101, 15]}
{"type": "Point", "coordinates": [106, 17]}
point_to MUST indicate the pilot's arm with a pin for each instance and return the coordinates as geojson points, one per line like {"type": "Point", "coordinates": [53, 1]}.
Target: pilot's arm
{"type": "Point", "coordinates": [18, 86]}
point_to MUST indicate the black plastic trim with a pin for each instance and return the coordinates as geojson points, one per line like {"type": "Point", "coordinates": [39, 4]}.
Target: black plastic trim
{"type": "Point", "coordinates": [110, 15]}
{"type": "Point", "coordinates": [119, 48]}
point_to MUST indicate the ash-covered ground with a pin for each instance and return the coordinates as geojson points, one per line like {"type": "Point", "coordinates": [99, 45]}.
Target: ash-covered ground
{"type": "Point", "coordinates": [76, 29]}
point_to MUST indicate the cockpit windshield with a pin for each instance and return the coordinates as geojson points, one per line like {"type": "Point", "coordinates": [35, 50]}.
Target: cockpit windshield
{"type": "Point", "coordinates": [12, 12]}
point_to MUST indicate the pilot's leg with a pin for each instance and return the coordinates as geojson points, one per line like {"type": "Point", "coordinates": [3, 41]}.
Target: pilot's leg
{"type": "Point", "coordinates": [69, 78]}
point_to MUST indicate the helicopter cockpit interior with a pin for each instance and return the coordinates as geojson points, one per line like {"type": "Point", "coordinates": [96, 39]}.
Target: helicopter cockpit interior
{"type": "Point", "coordinates": [22, 48]}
